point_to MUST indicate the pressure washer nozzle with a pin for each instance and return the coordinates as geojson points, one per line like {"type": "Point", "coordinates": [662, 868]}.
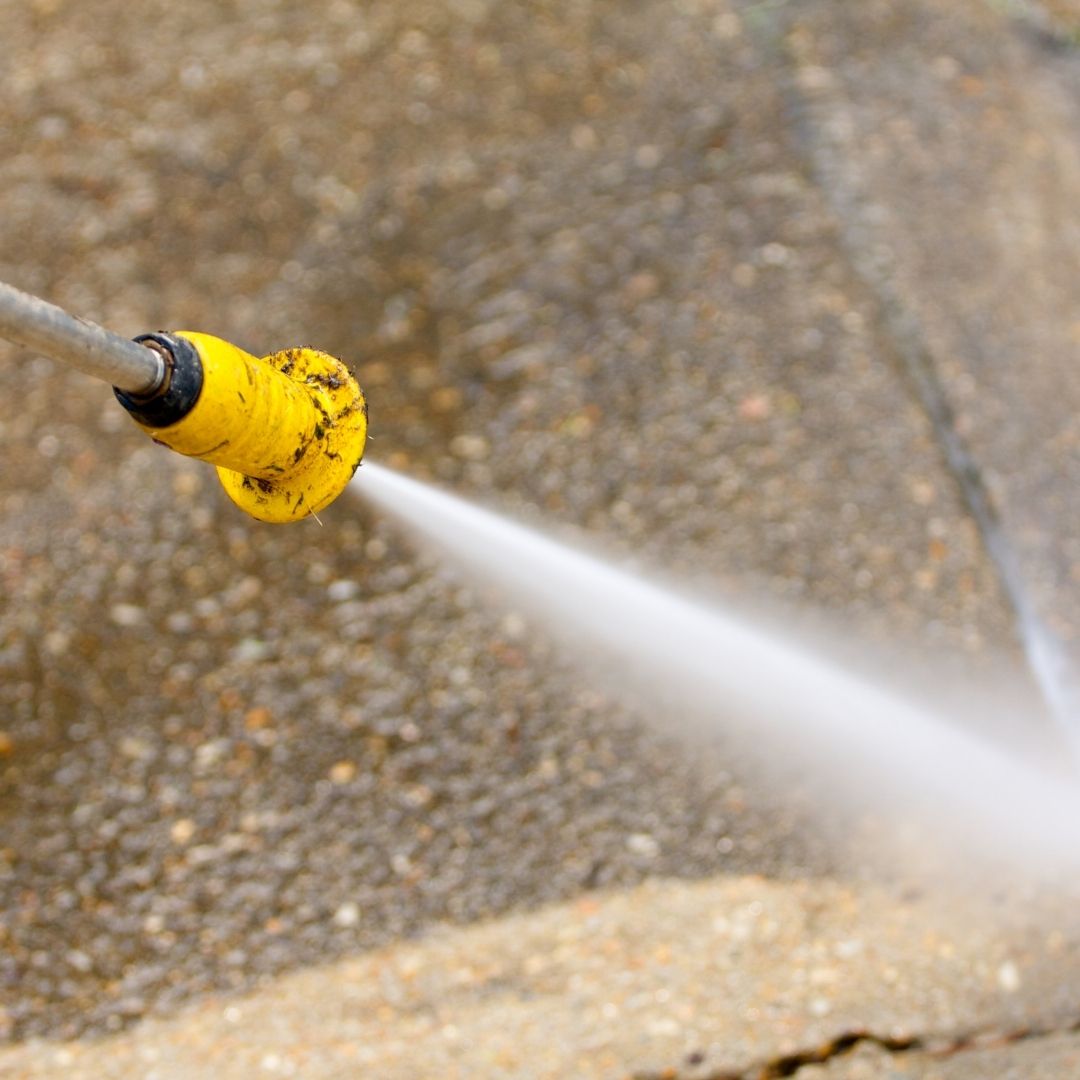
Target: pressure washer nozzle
{"type": "Point", "coordinates": [286, 432]}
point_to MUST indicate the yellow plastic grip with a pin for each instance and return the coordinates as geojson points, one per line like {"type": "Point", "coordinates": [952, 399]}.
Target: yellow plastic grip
{"type": "Point", "coordinates": [286, 432]}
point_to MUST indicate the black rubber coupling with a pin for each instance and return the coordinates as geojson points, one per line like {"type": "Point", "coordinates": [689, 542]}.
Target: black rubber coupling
{"type": "Point", "coordinates": [180, 389]}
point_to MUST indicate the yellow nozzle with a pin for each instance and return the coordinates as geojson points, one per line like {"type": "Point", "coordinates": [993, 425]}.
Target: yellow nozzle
{"type": "Point", "coordinates": [286, 432]}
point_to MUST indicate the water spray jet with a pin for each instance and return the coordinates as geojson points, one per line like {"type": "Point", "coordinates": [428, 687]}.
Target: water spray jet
{"type": "Point", "coordinates": [777, 702]}
{"type": "Point", "coordinates": [286, 432]}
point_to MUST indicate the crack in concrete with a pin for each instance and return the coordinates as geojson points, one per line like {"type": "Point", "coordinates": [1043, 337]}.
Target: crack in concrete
{"type": "Point", "coordinates": [932, 1046]}
{"type": "Point", "coordinates": [1054, 26]}
{"type": "Point", "coordinates": [901, 331]}
{"type": "Point", "coordinates": [790, 1064]}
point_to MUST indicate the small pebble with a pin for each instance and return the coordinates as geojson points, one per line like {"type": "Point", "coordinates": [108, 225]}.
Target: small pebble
{"type": "Point", "coordinates": [342, 590]}
{"type": "Point", "coordinates": [347, 915]}
{"type": "Point", "coordinates": [126, 615]}
{"type": "Point", "coordinates": [342, 772]}
{"type": "Point", "coordinates": [182, 831]}
{"type": "Point", "coordinates": [643, 844]}
{"type": "Point", "coordinates": [470, 447]}
{"type": "Point", "coordinates": [1009, 977]}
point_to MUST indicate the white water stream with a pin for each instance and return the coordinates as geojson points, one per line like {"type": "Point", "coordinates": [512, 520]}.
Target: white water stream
{"type": "Point", "coordinates": [864, 749]}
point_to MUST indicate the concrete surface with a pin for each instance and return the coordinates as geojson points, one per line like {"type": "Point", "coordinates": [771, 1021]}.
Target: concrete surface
{"type": "Point", "coordinates": [717, 979]}
{"type": "Point", "coordinates": [952, 154]}
{"type": "Point", "coordinates": [584, 260]}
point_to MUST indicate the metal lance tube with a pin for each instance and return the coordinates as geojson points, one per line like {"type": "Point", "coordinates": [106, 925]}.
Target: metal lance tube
{"type": "Point", "coordinates": [38, 325]}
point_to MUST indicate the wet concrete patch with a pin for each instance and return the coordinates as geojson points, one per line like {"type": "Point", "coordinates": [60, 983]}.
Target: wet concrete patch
{"type": "Point", "coordinates": [948, 149]}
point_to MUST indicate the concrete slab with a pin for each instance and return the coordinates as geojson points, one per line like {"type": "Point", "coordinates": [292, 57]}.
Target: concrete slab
{"type": "Point", "coordinates": [589, 280]}
{"type": "Point", "coordinates": [578, 255]}
{"type": "Point", "coordinates": [731, 978]}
